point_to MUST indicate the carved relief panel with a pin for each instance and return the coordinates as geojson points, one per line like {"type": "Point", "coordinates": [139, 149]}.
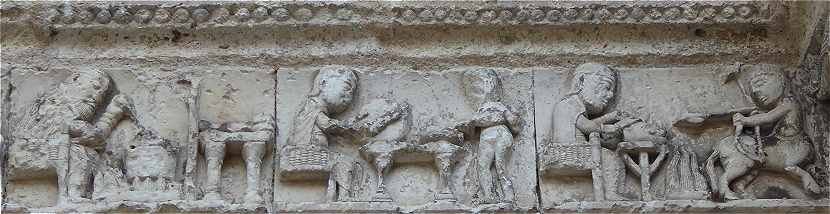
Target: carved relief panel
{"type": "Point", "coordinates": [99, 146]}
{"type": "Point", "coordinates": [673, 144]}
{"type": "Point", "coordinates": [407, 137]}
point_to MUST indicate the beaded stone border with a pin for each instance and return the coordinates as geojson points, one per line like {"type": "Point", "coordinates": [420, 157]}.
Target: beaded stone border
{"type": "Point", "coordinates": [212, 14]}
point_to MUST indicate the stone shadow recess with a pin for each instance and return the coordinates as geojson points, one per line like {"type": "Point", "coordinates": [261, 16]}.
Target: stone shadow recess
{"type": "Point", "coordinates": [415, 107]}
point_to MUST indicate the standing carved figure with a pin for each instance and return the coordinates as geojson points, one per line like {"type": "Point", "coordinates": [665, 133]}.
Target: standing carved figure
{"type": "Point", "coordinates": [778, 142]}
{"type": "Point", "coordinates": [497, 124]}
{"type": "Point", "coordinates": [305, 155]}
{"type": "Point", "coordinates": [61, 133]}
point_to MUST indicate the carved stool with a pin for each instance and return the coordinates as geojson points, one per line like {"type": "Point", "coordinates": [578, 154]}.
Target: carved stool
{"type": "Point", "coordinates": [643, 169]}
{"type": "Point", "coordinates": [253, 138]}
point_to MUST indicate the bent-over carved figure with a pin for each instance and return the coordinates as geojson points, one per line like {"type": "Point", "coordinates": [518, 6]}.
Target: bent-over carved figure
{"type": "Point", "coordinates": [581, 126]}
{"type": "Point", "coordinates": [498, 124]}
{"type": "Point", "coordinates": [305, 155]}
{"type": "Point", "coordinates": [778, 142]}
{"type": "Point", "coordinates": [61, 133]}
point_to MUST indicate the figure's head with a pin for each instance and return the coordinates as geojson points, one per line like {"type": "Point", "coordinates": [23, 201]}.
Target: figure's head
{"type": "Point", "coordinates": [596, 85]}
{"type": "Point", "coordinates": [335, 85]}
{"type": "Point", "coordinates": [481, 86]}
{"type": "Point", "coordinates": [84, 91]}
{"type": "Point", "coordinates": [767, 88]}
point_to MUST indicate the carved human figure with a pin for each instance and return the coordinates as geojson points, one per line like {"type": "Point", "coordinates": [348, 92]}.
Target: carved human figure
{"type": "Point", "coordinates": [580, 119]}
{"type": "Point", "coordinates": [777, 141]}
{"type": "Point", "coordinates": [61, 132]}
{"type": "Point", "coordinates": [582, 111]}
{"type": "Point", "coordinates": [497, 124]}
{"type": "Point", "coordinates": [305, 155]}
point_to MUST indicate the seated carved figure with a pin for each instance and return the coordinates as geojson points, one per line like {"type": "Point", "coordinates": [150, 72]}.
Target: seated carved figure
{"type": "Point", "coordinates": [306, 155]}
{"type": "Point", "coordinates": [581, 125]}
{"type": "Point", "coordinates": [61, 133]}
{"type": "Point", "coordinates": [776, 141]}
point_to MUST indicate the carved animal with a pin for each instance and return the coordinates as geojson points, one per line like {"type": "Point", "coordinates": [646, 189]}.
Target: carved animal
{"type": "Point", "coordinates": [783, 156]}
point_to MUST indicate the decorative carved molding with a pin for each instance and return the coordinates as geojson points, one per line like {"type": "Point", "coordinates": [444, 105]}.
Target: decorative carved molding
{"type": "Point", "coordinates": [210, 15]}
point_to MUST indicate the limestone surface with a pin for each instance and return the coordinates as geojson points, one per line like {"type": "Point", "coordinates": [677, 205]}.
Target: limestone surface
{"type": "Point", "coordinates": [415, 107]}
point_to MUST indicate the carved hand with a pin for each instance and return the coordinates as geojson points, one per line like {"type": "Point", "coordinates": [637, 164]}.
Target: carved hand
{"type": "Point", "coordinates": [79, 128]}
{"type": "Point", "coordinates": [738, 119]}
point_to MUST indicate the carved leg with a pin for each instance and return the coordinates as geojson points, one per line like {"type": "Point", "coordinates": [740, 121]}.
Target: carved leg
{"type": "Point", "coordinates": [215, 154]}
{"type": "Point", "coordinates": [80, 172]}
{"type": "Point", "coordinates": [331, 188]}
{"type": "Point", "coordinates": [502, 150]}
{"type": "Point", "coordinates": [383, 164]}
{"type": "Point", "coordinates": [744, 181]}
{"type": "Point", "coordinates": [63, 181]}
{"type": "Point", "coordinates": [444, 163]}
{"type": "Point", "coordinates": [807, 180]}
{"type": "Point", "coordinates": [486, 154]}
{"type": "Point", "coordinates": [253, 153]}
{"type": "Point", "coordinates": [731, 171]}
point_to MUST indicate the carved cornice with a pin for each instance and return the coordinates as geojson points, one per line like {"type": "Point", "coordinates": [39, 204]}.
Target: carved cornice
{"type": "Point", "coordinates": [275, 14]}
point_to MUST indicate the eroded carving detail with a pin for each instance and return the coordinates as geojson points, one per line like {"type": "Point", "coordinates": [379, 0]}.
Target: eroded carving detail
{"type": "Point", "coordinates": [61, 135]}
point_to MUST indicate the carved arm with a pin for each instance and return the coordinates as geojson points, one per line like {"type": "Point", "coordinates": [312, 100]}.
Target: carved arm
{"type": "Point", "coordinates": [94, 135]}
{"type": "Point", "coordinates": [698, 119]}
{"type": "Point", "coordinates": [513, 120]}
{"type": "Point", "coordinates": [765, 118]}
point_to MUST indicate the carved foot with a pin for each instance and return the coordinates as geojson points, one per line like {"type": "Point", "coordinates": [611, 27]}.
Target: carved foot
{"type": "Point", "coordinates": [808, 182]}
{"type": "Point", "coordinates": [729, 196]}
{"type": "Point", "coordinates": [812, 187]}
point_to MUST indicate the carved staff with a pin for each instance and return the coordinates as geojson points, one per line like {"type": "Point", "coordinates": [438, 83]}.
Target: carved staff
{"type": "Point", "coordinates": [191, 100]}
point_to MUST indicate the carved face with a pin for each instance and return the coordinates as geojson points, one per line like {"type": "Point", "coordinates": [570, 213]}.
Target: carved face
{"type": "Point", "coordinates": [481, 86]}
{"type": "Point", "coordinates": [767, 89]}
{"type": "Point", "coordinates": [83, 91]}
{"type": "Point", "coordinates": [336, 88]}
{"type": "Point", "coordinates": [597, 92]}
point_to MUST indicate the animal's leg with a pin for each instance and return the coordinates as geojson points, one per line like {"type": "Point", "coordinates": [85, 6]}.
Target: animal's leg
{"type": "Point", "coordinates": [731, 171]}
{"type": "Point", "coordinates": [744, 181]}
{"type": "Point", "coordinates": [253, 153]}
{"type": "Point", "coordinates": [215, 154]}
{"type": "Point", "coordinates": [807, 180]}
{"type": "Point", "coordinates": [486, 154]}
